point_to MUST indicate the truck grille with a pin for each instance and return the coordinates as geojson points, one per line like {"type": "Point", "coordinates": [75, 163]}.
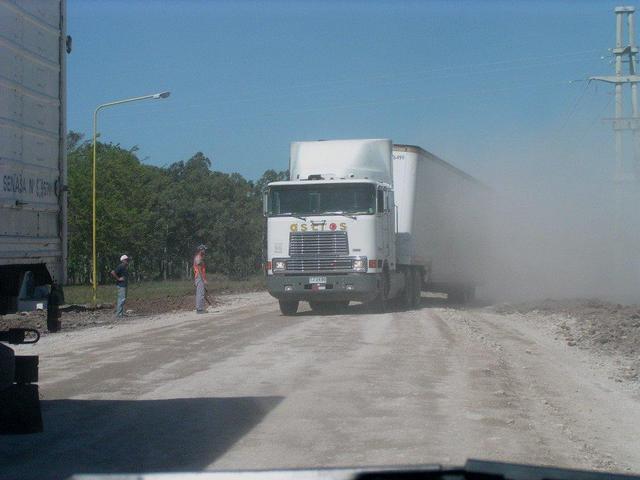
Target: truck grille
{"type": "Point", "coordinates": [318, 244]}
{"type": "Point", "coordinates": [318, 264]}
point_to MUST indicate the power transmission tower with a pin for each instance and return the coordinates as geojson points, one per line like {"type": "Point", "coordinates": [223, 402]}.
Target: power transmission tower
{"type": "Point", "coordinates": [626, 251]}
{"type": "Point", "coordinates": [625, 54]}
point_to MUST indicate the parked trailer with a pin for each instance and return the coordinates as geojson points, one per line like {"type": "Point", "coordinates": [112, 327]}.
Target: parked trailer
{"type": "Point", "coordinates": [32, 156]}
{"type": "Point", "coordinates": [364, 220]}
{"type": "Point", "coordinates": [33, 232]}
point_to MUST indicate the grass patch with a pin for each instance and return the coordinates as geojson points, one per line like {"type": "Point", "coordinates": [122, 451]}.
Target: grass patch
{"type": "Point", "coordinates": [81, 294]}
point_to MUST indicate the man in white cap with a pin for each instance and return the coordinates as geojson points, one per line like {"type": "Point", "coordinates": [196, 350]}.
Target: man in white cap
{"type": "Point", "coordinates": [121, 275]}
{"type": "Point", "coordinates": [200, 278]}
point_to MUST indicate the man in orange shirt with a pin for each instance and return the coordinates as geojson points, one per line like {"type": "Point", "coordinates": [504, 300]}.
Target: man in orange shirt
{"type": "Point", "coordinates": [200, 278]}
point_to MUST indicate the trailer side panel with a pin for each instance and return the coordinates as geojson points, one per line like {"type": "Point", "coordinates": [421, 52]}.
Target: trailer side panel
{"type": "Point", "coordinates": [32, 134]}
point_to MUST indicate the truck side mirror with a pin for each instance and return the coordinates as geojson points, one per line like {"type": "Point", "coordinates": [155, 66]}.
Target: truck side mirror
{"type": "Point", "coordinates": [265, 203]}
{"type": "Point", "coordinates": [380, 201]}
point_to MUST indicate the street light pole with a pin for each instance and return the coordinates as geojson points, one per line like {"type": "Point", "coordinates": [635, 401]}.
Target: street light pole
{"type": "Point", "coordinates": [94, 263]}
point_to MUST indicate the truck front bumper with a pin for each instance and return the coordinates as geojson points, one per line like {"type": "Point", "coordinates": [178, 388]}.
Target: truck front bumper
{"type": "Point", "coordinates": [358, 287]}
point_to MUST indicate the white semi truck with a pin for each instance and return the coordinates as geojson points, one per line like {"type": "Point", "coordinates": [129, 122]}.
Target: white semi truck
{"type": "Point", "coordinates": [33, 232]}
{"type": "Point", "coordinates": [369, 221]}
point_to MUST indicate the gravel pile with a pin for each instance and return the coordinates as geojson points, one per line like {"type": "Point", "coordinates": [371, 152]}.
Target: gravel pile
{"type": "Point", "coordinates": [609, 328]}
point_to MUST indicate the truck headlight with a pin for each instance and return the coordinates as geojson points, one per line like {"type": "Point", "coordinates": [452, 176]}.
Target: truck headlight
{"type": "Point", "coordinates": [279, 265]}
{"type": "Point", "coordinates": [360, 264]}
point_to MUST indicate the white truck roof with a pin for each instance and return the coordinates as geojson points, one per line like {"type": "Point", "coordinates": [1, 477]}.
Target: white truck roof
{"type": "Point", "coordinates": [321, 182]}
{"type": "Point", "coordinates": [366, 159]}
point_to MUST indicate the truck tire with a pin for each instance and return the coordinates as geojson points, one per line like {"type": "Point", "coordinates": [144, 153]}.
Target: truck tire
{"type": "Point", "coordinates": [417, 288]}
{"type": "Point", "coordinates": [53, 320]}
{"type": "Point", "coordinates": [381, 303]}
{"type": "Point", "coordinates": [288, 307]}
{"type": "Point", "coordinates": [456, 296]}
{"type": "Point", "coordinates": [56, 298]}
{"type": "Point", "coordinates": [471, 294]}
{"type": "Point", "coordinates": [408, 295]}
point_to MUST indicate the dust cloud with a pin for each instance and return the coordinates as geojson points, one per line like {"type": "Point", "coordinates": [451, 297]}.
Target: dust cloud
{"type": "Point", "coordinates": [564, 239]}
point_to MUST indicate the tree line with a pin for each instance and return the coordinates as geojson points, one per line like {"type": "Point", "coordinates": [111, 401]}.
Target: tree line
{"type": "Point", "coordinates": [159, 215]}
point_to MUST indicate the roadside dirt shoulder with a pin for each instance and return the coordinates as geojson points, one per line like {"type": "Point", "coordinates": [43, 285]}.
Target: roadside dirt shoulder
{"type": "Point", "coordinates": [609, 332]}
{"type": "Point", "coordinates": [77, 317]}
{"type": "Point", "coordinates": [140, 326]}
{"type": "Point", "coordinates": [570, 400]}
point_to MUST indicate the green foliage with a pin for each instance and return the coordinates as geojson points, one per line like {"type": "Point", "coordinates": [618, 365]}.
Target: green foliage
{"type": "Point", "coordinates": [270, 176]}
{"type": "Point", "coordinates": [159, 215]}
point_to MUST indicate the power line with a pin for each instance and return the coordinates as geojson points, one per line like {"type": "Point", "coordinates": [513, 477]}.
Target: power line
{"type": "Point", "coordinates": [398, 78]}
{"type": "Point", "coordinates": [572, 110]}
{"type": "Point", "coordinates": [373, 103]}
{"type": "Point", "coordinates": [208, 105]}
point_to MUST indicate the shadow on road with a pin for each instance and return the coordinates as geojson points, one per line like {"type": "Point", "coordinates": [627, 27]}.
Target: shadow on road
{"type": "Point", "coordinates": [116, 436]}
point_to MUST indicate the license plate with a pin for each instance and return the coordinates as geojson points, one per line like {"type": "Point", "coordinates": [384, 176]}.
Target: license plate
{"type": "Point", "coordinates": [318, 280]}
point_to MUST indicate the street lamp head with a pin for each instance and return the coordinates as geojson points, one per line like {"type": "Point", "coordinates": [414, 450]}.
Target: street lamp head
{"type": "Point", "coordinates": [162, 95]}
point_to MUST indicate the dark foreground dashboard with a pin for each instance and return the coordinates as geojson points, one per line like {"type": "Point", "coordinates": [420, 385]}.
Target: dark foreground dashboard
{"type": "Point", "coordinates": [472, 470]}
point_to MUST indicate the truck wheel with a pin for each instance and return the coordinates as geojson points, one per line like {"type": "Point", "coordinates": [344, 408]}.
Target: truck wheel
{"type": "Point", "coordinates": [471, 294]}
{"type": "Point", "coordinates": [456, 296]}
{"type": "Point", "coordinates": [53, 320]}
{"type": "Point", "coordinates": [417, 288]}
{"type": "Point", "coordinates": [56, 298]}
{"type": "Point", "coordinates": [461, 295]}
{"type": "Point", "coordinates": [408, 300]}
{"type": "Point", "coordinates": [381, 303]}
{"type": "Point", "coordinates": [53, 326]}
{"type": "Point", "coordinates": [288, 307]}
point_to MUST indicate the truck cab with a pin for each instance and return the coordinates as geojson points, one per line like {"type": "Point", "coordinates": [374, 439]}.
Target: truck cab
{"type": "Point", "coordinates": [330, 231]}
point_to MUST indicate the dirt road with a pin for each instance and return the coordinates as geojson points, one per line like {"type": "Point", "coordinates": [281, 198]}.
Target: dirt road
{"type": "Point", "coordinates": [244, 387]}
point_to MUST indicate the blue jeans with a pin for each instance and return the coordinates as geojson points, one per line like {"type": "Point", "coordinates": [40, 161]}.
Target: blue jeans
{"type": "Point", "coordinates": [122, 297]}
{"type": "Point", "coordinates": [200, 293]}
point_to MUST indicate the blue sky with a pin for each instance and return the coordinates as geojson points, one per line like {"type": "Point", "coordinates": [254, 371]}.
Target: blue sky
{"type": "Point", "coordinates": [484, 84]}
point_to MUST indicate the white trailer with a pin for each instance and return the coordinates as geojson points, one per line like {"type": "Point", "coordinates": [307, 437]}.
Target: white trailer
{"type": "Point", "coordinates": [33, 46]}
{"type": "Point", "coordinates": [442, 223]}
{"type": "Point", "coordinates": [33, 233]}
{"type": "Point", "coordinates": [365, 220]}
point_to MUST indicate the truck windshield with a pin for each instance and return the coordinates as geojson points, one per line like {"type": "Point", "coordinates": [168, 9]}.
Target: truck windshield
{"type": "Point", "coordinates": [352, 198]}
